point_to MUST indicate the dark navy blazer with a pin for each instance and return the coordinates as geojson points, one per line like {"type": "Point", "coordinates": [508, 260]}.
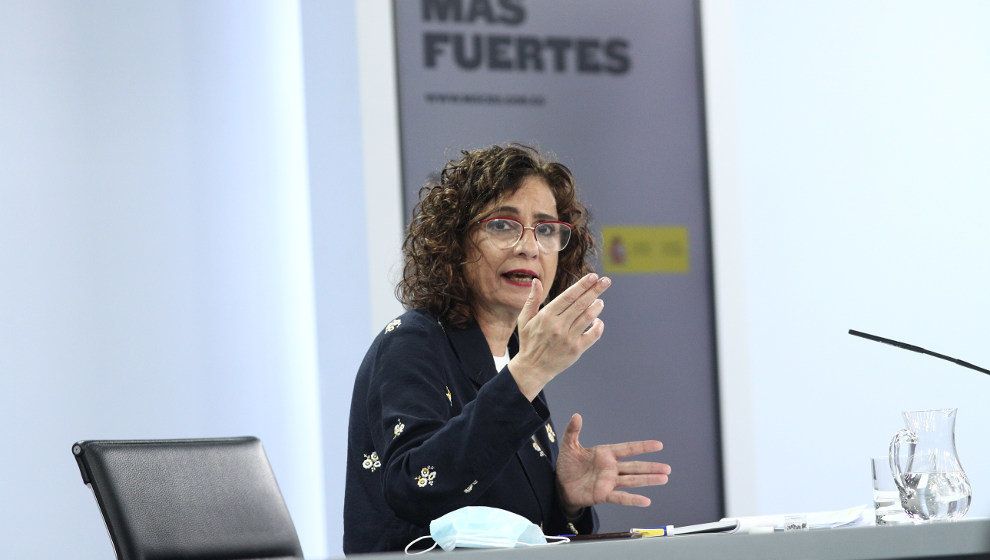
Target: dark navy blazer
{"type": "Point", "coordinates": [433, 428]}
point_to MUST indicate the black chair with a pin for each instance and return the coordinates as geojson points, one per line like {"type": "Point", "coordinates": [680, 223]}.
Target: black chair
{"type": "Point", "coordinates": [213, 499]}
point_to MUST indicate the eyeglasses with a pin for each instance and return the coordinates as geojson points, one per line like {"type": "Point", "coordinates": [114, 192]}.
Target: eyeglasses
{"type": "Point", "coordinates": [551, 235]}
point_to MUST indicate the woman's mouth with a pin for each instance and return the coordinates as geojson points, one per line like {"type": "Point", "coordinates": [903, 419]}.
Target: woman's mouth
{"type": "Point", "coordinates": [522, 278]}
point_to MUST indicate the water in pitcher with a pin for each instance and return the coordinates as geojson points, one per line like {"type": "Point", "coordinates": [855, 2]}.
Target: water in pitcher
{"type": "Point", "coordinates": [935, 495]}
{"type": "Point", "coordinates": [926, 469]}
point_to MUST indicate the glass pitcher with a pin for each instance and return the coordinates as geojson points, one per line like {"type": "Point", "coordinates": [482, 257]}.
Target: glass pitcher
{"type": "Point", "coordinates": [923, 460]}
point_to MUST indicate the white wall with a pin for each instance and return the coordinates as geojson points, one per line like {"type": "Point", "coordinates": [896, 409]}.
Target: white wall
{"type": "Point", "coordinates": [849, 186]}
{"type": "Point", "coordinates": [380, 142]}
{"type": "Point", "coordinates": [355, 207]}
{"type": "Point", "coordinates": [156, 247]}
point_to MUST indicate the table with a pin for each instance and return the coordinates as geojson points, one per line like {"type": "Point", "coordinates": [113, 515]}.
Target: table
{"type": "Point", "coordinates": [968, 539]}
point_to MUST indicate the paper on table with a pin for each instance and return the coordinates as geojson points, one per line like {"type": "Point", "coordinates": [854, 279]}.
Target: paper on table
{"type": "Point", "coordinates": [816, 520]}
{"type": "Point", "coordinates": [819, 520]}
{"type": "Point", "coordinates": [723, 526]}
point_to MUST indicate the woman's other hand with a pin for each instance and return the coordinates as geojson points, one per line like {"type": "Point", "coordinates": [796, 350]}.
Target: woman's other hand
{"type": "Point", "coordinates": [589, 476]}
{"type": "Point", "coordinates": [553, 338]}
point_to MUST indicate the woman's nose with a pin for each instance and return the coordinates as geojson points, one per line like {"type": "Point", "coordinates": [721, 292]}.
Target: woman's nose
{"type": "Point", "coordinates": [528, 244]}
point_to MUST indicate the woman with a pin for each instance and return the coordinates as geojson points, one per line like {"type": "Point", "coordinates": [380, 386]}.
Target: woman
{"type": "Point", "coordinates": [448, 409]}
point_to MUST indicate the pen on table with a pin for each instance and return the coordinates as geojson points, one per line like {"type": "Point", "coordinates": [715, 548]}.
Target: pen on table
{"type": "Point", "coordinates": [653, 531]}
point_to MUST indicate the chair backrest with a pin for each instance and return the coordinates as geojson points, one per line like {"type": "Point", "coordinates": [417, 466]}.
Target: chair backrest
{"type": "Point", "coordinates": [190, 498]}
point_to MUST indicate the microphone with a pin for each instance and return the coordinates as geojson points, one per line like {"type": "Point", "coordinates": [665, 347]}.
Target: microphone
{"type": "Point", "coordinates": [918, 349]}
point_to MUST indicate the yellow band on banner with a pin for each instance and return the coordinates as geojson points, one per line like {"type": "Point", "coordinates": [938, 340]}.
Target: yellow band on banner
{"type": "Point", "coordinates": [645, 249]}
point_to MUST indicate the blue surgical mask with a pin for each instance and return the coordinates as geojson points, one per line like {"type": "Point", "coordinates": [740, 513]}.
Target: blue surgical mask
{"type": "Point", "coordinates": [484, 527]}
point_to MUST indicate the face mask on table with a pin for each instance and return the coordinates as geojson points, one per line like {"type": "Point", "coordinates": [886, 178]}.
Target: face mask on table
{"type": "Point", "coordinates": [483, 527]}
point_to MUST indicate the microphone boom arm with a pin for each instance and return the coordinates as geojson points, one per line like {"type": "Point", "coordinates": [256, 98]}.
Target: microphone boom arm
{"type": "Point", "coordinates": [918, 349]}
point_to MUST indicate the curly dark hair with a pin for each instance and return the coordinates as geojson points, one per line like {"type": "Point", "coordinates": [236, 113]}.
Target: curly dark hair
{"type": "Point", "coordinates": [436, 246]}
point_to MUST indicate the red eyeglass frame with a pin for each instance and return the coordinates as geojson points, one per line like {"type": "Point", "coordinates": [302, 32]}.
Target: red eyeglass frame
{"type": "Point", "coordinates": [532, 227]}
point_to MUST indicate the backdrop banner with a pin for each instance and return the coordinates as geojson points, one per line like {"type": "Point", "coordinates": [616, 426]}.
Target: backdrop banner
{"type": "Point", "coordinates": [614, 91]}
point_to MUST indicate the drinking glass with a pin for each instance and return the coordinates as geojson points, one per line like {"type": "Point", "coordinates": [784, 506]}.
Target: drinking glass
{"type": "Point", "coordinates": [886, 498]}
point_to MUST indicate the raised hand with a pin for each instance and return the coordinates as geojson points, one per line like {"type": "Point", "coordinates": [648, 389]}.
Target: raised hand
{"type": "Point", "coordinates": [589, 476]}
{"type": "Point", "coordinates": [553, 338]}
